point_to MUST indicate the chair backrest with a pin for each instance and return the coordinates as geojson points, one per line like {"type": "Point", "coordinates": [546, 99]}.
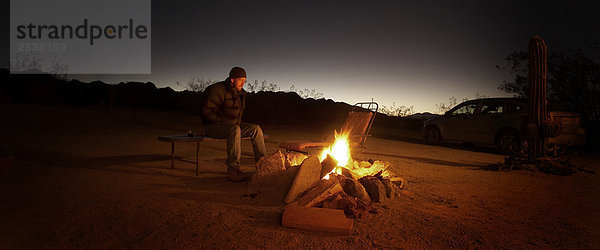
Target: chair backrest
{"type": "Point", "coordinates": [359, 122]}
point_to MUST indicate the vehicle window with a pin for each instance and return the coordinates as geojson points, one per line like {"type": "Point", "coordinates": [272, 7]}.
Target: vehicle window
{"type": "Point", "coordinates": [467, 109]}
{"type": "Point", "coordinates": [491, 108]}
{"type": "Point", "coordinates": [511, 107]}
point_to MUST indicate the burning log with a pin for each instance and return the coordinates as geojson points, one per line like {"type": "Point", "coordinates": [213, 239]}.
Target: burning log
{"type": "Point", "coordinates": [374, 187]}
{"type": "Point", "coordinates": [348, 173]}
{"type": "Point", "coordinates": [328, 165]}
{"type": "Point", "coordinates": [329, 193]}
{"type": "Point", "coordinates": [316, 219]}
{"type": "Point", "coordinates": [307, 176]}
{"type": "Point", "coordinates": [320, 192]}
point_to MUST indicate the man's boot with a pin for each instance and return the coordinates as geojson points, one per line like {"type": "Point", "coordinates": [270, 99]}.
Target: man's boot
{"type": "Point", "coordinates": [235, 174]}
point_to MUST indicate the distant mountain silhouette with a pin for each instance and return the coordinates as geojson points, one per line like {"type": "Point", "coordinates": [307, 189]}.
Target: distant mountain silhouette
{"type": "Point", "coordinates": [262, 107]}
{"type": "Point", "coordinates": [423, 116]}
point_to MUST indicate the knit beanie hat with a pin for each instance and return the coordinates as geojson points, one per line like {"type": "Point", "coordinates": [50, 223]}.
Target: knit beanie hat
{"type": "Point", "coordinates": [237, 72]}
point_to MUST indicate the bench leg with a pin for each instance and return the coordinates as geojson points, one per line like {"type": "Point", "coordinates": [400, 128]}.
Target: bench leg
{"type": "Point", "coordinates": [197, 160]}
{"type": "Point", "coordinates": [172, 153]}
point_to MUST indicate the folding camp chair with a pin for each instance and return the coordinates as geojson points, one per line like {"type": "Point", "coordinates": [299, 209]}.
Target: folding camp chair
{"type": "Point", "coordinates": [359, 122]}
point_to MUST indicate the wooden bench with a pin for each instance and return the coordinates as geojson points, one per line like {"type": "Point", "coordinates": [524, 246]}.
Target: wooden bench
{"type": "Point", "coordinates": [195, 139]}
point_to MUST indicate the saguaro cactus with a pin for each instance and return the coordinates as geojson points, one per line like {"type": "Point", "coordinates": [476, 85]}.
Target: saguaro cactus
{"type": "Point", "coordinates": [538, 106]}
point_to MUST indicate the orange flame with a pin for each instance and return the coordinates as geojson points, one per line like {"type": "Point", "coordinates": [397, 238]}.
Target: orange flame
{"type": "Point", "coordinates": [340, 151]}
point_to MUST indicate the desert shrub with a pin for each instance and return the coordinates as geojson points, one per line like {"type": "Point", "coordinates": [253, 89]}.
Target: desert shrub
{"type": "Point", "coordinates": [399, 111]}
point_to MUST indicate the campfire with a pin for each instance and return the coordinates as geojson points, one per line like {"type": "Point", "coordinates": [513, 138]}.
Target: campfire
{"type": "Point", "coordinates": [339, 152]}
{"type": "Point", "coordinates": [330, 189]}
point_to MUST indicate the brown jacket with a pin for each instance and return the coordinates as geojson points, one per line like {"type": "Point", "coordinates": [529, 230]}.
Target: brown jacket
{"type": "Point", "coordinates": [222, 103]}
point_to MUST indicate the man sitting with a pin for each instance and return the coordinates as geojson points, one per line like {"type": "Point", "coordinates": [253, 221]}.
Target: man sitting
{"type": "Point", "coordinates": [222, 107]}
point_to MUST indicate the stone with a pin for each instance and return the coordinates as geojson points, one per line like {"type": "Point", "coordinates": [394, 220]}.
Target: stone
{"type": "Point", "coordinates": [267, 166]}
{"type": "Point", "coordinates": [308, 175]}
{"type": "Point", "coordinates": [390, 189]}
{"type": "Point", "coordinates": [274, 187]}
{"type": "Point", "coordinates": [294, 159]}
{"type": "Point", "coordinates": [353, 188]}
{"type": "Point", "coordinates": [374, 187]}
{"type": "Point", "coordinates": [399, 182]}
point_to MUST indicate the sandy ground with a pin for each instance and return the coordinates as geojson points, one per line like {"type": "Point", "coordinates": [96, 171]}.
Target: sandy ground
{"type": "Point", "coordinates": [91, 177]}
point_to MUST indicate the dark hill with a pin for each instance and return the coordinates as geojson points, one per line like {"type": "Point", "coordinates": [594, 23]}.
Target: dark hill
{"type": "Point", "coordinates": [263, 107]}
{"type": "Point", "coordinates": [276, 108]}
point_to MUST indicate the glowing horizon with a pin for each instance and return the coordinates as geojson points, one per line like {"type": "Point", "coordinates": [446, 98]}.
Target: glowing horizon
{"type": "Point", "coordinates": [354, 51]}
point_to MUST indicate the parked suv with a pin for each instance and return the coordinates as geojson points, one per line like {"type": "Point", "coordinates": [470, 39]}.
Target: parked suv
{"type": "Point", "coordinates": [496, 121]}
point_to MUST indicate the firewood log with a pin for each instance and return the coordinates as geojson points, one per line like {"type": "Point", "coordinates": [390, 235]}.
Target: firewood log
{"type": "Point", "coordinates": [316, 219]}
{"type": "Point", "coordinates": [328, 165]}
{"type": "Point", "coordinates": [308, 176]}
{"type": "Point", "coordinates": [320, 192]}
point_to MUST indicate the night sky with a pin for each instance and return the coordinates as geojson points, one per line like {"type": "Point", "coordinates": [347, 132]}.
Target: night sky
{"type": "Point", "coordinates": [408, 53]}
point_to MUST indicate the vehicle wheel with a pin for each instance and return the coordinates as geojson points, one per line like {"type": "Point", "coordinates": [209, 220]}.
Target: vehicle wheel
{"type": "Point", "coordinates": [507, 140]}
{"type": "Point", "coordinates": [432, 136]}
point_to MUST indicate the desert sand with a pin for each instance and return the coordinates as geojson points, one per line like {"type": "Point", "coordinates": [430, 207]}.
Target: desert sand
{"type": "Point", "coordinates": [96, 177]}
